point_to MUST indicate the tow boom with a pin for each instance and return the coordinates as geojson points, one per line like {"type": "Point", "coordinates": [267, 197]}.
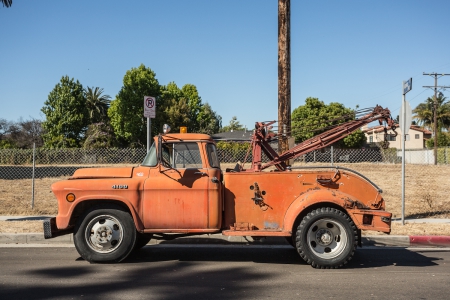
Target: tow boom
{"type": "Point", "coordinates": [261, 138]}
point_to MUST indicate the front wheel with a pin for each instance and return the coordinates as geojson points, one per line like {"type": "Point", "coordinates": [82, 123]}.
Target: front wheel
{"type": "Point", "coordinates": [105, 235]}
{"type": "Point", "coordinates": [142, 239]}
{"type": "Point", "coordinates": [326, 238]}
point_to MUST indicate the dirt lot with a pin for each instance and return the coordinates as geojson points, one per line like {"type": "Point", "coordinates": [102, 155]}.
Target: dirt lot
{"type": "Point", "coordinates": [425, 196]}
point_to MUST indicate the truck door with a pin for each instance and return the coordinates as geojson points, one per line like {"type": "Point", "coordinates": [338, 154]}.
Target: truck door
{"type": "Point", "coordinates": [215, 188]}
{"type": "Point", "coordinates": [176, 195]}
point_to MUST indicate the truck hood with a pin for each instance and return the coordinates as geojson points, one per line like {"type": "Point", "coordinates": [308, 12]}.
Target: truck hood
{"type": "Point", "coordinates": [86, 173]}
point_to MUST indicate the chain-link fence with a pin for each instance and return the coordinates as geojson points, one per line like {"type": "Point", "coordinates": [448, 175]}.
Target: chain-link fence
{"type": "Point", "coordinates": [425, 183]}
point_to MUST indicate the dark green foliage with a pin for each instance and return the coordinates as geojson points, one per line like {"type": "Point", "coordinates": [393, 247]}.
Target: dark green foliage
{"type": "Point", "coordinates": [99, 135]}
{"type": "Point", "coordinates": [424, 113]}
{"type": "Point", "coordinates": [315, 116]}
{"type": "Point", "coordinates": [97, 104]}
{"type": "Point", "coordinates": [234, 151]}
{"type": "Point", "coordinates": [127, 110]}
{"type": "Point", "coordinates": [66, 115]}
{"type": "Point", "coordinates": [443, 140]}
{"type": "Point", "coordinates": [234, 125]}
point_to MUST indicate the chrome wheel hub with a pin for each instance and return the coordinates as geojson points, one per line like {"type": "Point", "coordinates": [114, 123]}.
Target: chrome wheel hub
{"type": "Point", "coordinates": [104, 234]}
{"type": "Point", "coordinates": [327, 238]}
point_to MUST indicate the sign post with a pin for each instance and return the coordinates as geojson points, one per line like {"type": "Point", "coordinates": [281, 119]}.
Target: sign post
{"type": "Point", "coordinates": [405, 123]}
{"type": "Point", "coordinates": [149, 113]}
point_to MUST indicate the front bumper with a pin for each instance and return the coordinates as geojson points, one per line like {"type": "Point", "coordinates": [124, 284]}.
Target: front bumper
{"type": "Point", "coordinates": [51, 230]}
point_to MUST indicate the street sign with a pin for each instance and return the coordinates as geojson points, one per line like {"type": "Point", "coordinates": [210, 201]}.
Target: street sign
{"type": "Point", "coordinates": [407, 86]}
{"type": "Point", "coordinates": [149, 107]}
{"type": "Point", "coordinates": [405, 113]}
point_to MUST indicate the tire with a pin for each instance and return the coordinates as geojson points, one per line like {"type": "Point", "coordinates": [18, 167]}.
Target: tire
{"type": "Point", "coordinates": [142, 239]}
{"type": "Point", "coordinates": [105, 234]}
{"type": "Point", "coordinates": [326, 238]}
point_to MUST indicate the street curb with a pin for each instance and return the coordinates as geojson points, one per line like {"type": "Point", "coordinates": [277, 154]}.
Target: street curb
{"type": "Point", "coordinates": [376, 240]}
{"type": "Point", "coordinates": [430, 240]}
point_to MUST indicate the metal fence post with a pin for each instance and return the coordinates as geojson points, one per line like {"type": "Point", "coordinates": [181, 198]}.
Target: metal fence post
{"type": "Point", "coordinates": [32, 177]}
{"type": "Point", "coordinates": [331, 155]}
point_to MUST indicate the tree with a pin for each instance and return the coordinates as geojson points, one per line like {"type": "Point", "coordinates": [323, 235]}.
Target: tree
{"type": "Point", "coordinates": [4, 134]}
{"type": "Point", "coordinates": [7, 3]}
{"type": "Point", "coordinates": [234, 125]}
{"type": "Point", "coordinates": [127, 110]}
{"type": "Point", "coordinates": [194, 102]}
{"type": "Point", "coordinates": [424, 113]}
{"type": "Point", "coordinates": [26, 133]}
{"type": "Point", "coordinates": [99, 135]}
{"type": "Point", "coordinates": [177, 114]}
{"type": "Point", "coordinates": [97, 104]}
{"type": "Point", "coordinates": [443, 140]}
{"type": "Point", "coordinates": [21, 134]}
{"type": "Point", "coordinates": [184, 107]}
{"type": "Point", "coordinates": [175, 107]}
{"type": "Point", "coordinates": [315, 117]}
{"type": "Point", "coordinates": [209, 121]}
{"type": "Point", "coordinates": [66, 115]}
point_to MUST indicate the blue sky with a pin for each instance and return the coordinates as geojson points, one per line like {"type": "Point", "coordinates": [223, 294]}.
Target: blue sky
{"type": "Point", "coordinates": [352, 52]}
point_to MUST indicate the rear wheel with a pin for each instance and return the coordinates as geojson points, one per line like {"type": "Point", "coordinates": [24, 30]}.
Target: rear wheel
{"type": "Point", "coordinates": [326, 238]}
{"type": "Point", "coordinates": [105, 234]}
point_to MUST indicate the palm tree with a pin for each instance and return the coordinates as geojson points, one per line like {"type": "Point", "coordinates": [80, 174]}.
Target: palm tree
{"type": "Point", "coordinates": [424, 113]}
{"type": "Point", "coordinates": [7, 3]}
{"type": "Point", "coordinates": [97, 104]}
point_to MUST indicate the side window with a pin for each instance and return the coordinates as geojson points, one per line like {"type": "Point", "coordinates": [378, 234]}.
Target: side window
{"type": "Point", "coordinates": [212, 156]}
{"type": "Point", "coordinates": [167, 155]}
{"type": "Point", "coordinates": [186, 155]}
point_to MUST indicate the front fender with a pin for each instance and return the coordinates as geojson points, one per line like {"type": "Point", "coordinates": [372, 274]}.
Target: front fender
{"type": "Point", "coordinates": [63, 219]}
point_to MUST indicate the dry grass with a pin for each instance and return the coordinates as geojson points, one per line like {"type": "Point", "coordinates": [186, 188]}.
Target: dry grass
{"type": "Point", "coordinates": [425, 196]}
{"type": "Point", "coordinates": [21, 227]}
{"type": "Point", "coordinates": [16, 197]}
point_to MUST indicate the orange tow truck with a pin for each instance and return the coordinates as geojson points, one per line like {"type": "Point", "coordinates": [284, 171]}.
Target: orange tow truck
{"type": "Point", "coordinates": [180, 189]}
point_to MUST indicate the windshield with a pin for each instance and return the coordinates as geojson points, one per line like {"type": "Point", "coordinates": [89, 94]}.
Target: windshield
{"type": "Point", "coordinates": [150, 159]}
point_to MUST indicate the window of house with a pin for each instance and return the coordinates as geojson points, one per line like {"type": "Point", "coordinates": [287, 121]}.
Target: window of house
{"type": "Point", "coordinates": [370, 139]}
{"type": "Point", "coordinates": [391, 138]}
{"type": "Point", "coordinates": [417, 136]}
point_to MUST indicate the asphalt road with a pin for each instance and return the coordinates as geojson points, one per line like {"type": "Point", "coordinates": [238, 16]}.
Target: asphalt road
{"type": "Point", "coordinates": [223, 272]}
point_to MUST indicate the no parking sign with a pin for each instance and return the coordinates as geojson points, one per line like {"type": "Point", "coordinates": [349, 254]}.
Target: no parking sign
{"type": "Point", "coordinates": [149, 107]}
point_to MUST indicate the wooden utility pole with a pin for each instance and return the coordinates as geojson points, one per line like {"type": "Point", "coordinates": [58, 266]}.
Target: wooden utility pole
{"type": "Point", "coordinates": [284, 73]}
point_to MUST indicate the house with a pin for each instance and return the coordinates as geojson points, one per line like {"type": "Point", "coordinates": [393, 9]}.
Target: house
{"type": "Point", "coordinates": [417, 136]}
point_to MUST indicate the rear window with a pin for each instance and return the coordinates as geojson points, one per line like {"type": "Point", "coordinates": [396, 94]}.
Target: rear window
{"type": "Point", "coordinates": [212, 156]}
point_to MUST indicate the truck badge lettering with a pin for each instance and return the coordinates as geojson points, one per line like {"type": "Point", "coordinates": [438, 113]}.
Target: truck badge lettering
{"type": "Point", "coordinates": [120, 186]}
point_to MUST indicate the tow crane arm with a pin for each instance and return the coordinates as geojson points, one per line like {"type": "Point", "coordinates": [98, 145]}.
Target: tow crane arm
{"type": "Point", "coordinates": [261, 138]}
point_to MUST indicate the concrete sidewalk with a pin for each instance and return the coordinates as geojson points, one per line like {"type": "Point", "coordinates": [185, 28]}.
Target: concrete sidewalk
{"type": "Point", "coordinates": [376, 240]}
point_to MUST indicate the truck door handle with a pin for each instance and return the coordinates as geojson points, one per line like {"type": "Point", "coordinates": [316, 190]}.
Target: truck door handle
{"type": "Point", "coordinates": [215, 180]}
{"type": "Point", "coordinates": [200, 173]}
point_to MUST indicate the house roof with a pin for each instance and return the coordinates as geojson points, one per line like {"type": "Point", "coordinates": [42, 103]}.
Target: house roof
{"type": "Point", "coordinates": [239, 135]}
{"type": "Point", "coordinates": [380, 128]}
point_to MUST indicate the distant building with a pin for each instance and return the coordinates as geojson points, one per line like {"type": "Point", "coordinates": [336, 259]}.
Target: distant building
{"type": "Point", "coordinates": [417, 136]}
{"type": "Point", "coordinates": [234, 136]}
